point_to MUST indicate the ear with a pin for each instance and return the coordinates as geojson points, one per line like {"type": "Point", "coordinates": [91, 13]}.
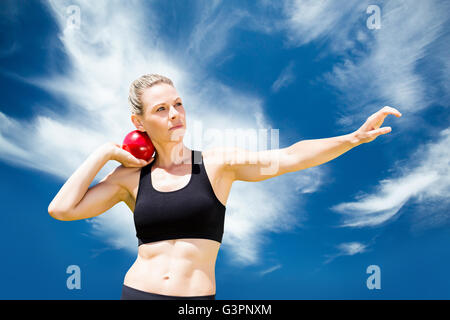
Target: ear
{"type": "Point", "coordinates": [137, 122]}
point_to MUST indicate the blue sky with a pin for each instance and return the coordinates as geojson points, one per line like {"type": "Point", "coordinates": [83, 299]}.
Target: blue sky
{"type": "Point", "coordinates": [309, 69]}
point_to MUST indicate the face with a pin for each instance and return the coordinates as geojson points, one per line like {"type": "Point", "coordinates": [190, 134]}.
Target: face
{"type": "Point", "coordinates": [163, 110]}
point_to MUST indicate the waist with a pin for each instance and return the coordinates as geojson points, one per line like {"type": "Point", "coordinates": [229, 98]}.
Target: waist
{"type": "Point", "coordinates": [129, 293]}
{"type": "Point", "coordinates": [183, 267]}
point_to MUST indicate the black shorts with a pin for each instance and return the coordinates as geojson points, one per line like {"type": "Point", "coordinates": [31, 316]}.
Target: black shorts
{"type": "Point", "coordinates": [129, 293]}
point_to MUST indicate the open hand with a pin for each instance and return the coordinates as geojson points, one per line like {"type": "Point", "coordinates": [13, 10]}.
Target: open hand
{"type": "Point", "coordinates": [370, 130]}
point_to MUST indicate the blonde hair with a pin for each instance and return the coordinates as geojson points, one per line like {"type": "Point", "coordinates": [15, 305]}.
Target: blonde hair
{"type": "Point", "coordinates": [138, 86]}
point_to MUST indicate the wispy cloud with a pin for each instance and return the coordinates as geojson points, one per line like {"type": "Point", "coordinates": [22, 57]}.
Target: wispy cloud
{"type": "Point", "coordinates": [388, 70]}
{"type": "Point", "coordinates": [286, 77]}
{"type": "Point", "coordinates": [212, 31]}
{"type": "Point", "coordinates": [347, 249]}
{"type": "Point", "coordinates": [377, 66]}
{"type": "Point", "coordinates": [115, 45]}
{"type": "Point", "coordinates": [386, 66]}
{"type": "Point", "coordinates": [326, 21]}
{"type": "Point", "coordinates": [269, 270]}
{"type": "Point", "coordinates": [426, 183]}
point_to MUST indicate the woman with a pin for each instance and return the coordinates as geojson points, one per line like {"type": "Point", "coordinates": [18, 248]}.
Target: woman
{"type": "Point", "coordinates": [179, 197]}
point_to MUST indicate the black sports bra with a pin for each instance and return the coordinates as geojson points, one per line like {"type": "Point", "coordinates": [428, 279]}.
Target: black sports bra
{"type": "Point", "coordinates": [190, 212]}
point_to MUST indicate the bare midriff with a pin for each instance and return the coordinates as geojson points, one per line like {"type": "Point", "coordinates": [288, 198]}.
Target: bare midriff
{"type": "Point", "coordinates": [180, 267]}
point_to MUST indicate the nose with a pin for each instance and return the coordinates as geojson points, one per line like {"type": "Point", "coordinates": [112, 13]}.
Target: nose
{"type": "Point", "coordinates": [173, 113]}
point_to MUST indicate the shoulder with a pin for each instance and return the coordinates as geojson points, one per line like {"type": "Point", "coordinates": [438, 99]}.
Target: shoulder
{"type": "Point", "coordinates": [220, 158]}
{"type": "Point", "coordinates": [222, 155]}
{"type": "Point", "coordinates": [215, 155]}
{"type": "Point", "coordinates": [210, 152]}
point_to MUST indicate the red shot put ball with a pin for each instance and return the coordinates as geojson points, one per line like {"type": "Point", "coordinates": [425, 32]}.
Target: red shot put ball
{"type": "Point", "coordinates": [138, 143]}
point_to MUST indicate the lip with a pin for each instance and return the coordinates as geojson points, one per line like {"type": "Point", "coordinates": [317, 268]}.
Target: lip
{"type": "Point", "coordinates": [176, 127]}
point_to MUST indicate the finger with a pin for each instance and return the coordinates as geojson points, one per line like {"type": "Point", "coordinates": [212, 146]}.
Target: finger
{"type": "Point", "coordinates": [377, 119]}
{"type": "Point", "coordinates": [135, 161]}
{"type": "Point", "coordinates": [383, 112]}
{"type": "Point", "coordinates": [144, 162]}
{"type": "Point", "coordinates": [380, 131]}
{"type": "Point", "coordinates": [389, 110]}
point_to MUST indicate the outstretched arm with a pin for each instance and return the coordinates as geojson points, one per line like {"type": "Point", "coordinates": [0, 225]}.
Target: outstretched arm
{"type": "Point", "coordinates": [247, 165]}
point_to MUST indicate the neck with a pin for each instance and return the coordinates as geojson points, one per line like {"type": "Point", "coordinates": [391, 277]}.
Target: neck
{"type": "Point", "coordinates": [171, 154]}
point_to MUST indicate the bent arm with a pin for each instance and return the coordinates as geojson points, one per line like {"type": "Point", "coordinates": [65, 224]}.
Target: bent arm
{"type": "Point", "coordinates": [75, 188]}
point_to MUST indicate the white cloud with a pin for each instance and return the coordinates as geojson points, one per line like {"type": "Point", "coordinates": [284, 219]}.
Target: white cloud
{"type": "Point", "coordinates": [114, 45]}
{"type": "Point", "coordinates": [402, 64]}
{"type": "Point", "coordinates": [351, 248]}
{"type": "Point", "coordinates": [387, 70]}
{"type": "Point", "coordinates": [426, 182]}
{"type": "Point", "coordinates": [311, 180]}
{"type": "Point", "coordinates": [211, 33]}
{"type": "Point", "coordinates": [286, 77]}
{"type": "Point", "coordinates": [347, 249]}
{"type": "Point", "coordinates": [269, 270]}
{"type": "Point", "coordinates": [116, 226]}
{"type": "Point", "coordinates": [325, 20]}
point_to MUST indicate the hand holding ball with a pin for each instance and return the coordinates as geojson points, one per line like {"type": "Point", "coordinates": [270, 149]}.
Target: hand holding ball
{"type": "Point", "coordinates": [138, 143]}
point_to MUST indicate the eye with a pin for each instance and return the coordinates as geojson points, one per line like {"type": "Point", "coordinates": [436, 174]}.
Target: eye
{"type": "Point", "coordinates": [178, 103]}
